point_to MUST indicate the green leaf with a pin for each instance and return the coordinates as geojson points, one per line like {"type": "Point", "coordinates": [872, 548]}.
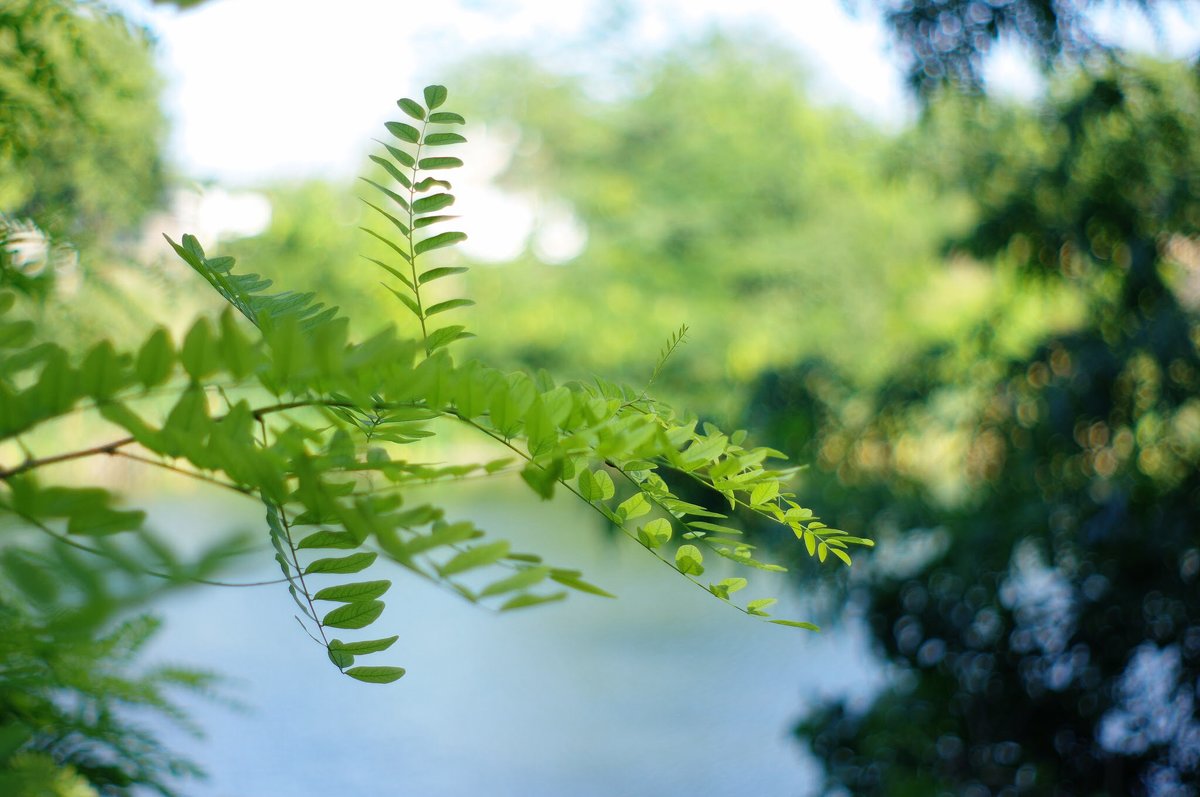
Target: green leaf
{"type": "Point", "coordinates": [479, 556]}
{"type": "Point", "coordinates": [435, 95]}
{"type": "Point", "coordinates": [706, 526]}
{"type": "Point", "coordinates": [433, 202]}
{"type": "Point", "coordinates": [199, 354]}
{"type": "Point", "coordinates": [522, 579]}
{"type": "Point", "coordinates": [391, 169]}
{"type": "Point", "coordinates": [634, 506]}
{"type": "Point", "coordinates": [656, 533]}
{"type": "Point", "coordinates": [399, 200]}
{"type": "Point", "coordinates": [328, 539]}
{"type": "Point", "coordinates": [439, 163]}
{"type": "Point", "coordinates": [796, 624]}
{"type": "Point", "coordinates": [444, 139]}
{"type": "Point", "coordinates": [430, 183]}
{"type": "Point", "coordinates": [399, 225]}
{"type": "Point", "coordinates": [446, 118]}
{"type": "Point", "coordinates": [426, 221]}
{"type": "Point", "coordinates": [596, 486]}
{"type": "Point", "coordinates": [764, 492]}
{"type": "Point", "coordinates": [402, 157]}
{"type": "Point", "coordinates": [155, 359]}
{"type": "Point", "coordinates": [439, 272]}
{"type": "Point", "coordinates": [438, 241]}
{"type": "Point", "coordinates": [542, 479]}
{"type": "Point", "coordinates": [411, 108]}
{"type": "Point", "coordinates": [689, 560]}
{"type": "Point", "coordinates": [376, 675]}
{"type": "Point", "coordinates": [404, 132]}
{"type": "Point", "coordinates": [840, 554]}
{"type": "Point", "coordinates": [354, 615]}
{"type": "Point", "coordinates": [406, 300]}
{"type": "Point", "coordinates": [757, 606]}
{"type": "Point", "coordinates": [450, 304]}
{"type": "Point", "coordinates": [727, 586]}
{"type": "Point", "coordinates": [342, 564]}
{"type": "Point", "coordinates": [364, 647]}
{"type": "Point", "coordinates": [570, 578]}
{"type": "Point", "coordinates": [526, 600]}
{"type": "Point", "coordinates": [352, 593]}
{"type": "Point", "coordinates": [446, 335]}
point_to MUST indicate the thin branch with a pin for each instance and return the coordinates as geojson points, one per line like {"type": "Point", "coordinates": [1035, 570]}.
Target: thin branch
{"type": "Point", "coordinates": [65, 540]}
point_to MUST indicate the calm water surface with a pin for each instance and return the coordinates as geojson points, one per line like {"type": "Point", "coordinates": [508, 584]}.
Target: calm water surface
{"type": "Point", "coordinates": [661, 692]}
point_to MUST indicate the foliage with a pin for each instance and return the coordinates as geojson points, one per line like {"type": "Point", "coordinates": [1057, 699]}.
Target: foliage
{"type": "Point", "coordinates": [712, 192]}
{"type": "Point", "coordinates": [69, 685]}
{"type": "Point", "coordinates": [80, 126]}
{"type": "Point", "coordinates": [946, 41]}
{"type": "Point", "coordinates": [1043, 619]}
{"type": "Point", "coordinates": [273, 401]}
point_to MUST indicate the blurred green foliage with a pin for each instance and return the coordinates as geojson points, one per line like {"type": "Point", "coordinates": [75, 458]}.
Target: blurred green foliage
{"type": "Point", "coordinates": [81, 131]}
{"type": "Point", "coordinates": [1040, 597]}
{"type": "Point", "coordinates": [716, 194]}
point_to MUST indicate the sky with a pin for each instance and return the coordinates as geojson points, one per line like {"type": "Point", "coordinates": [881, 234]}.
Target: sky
{"type": "Point", "coordinates": [265, 90]}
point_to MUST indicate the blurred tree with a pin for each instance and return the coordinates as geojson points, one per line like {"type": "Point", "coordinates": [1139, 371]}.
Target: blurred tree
{"type": "Point", "coordinates": [1041, 610]}
{"type": "Point", "coordinates": [81, 131]}
{"type": "Point", "coordinates": [946, 41]}
{"type": "Point", "coordinates": [711, 189]}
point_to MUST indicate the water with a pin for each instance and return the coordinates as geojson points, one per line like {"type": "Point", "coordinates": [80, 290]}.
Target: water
{"type": "Point", "coordinates": [661, 692]}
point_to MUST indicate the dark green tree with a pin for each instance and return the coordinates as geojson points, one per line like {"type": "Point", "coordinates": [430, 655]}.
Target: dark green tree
{"type": "Point", "coordinates": [1044, 624]}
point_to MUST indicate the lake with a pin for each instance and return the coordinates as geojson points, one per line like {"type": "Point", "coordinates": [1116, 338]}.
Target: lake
{"type": "Point", "coordinates": [661, 692]}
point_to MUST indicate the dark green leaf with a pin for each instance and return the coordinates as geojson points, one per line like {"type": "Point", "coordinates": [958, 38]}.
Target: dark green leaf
{"type": "Point", "coordinates": [411, 108]}
{"type": "Point", "coordinates": [342, 564]}
{"type": "Point", "coordinates": [440, 240]}
{"type": "Point", "coordinates": [446, 118]}
{"type": "Point", "coordinates": [354, 615]}
{"type": "Point", "coordinates": [404, 132]}
{"type": "Point", "coordinates": [376, 675]}
{"type": "Point", "coordinates": [439, 163]}
{"type": "Point", "coordinates": [444, 139]}
{"type": "Point", "coordinates": [435, 95]}
{"type": "Point", "coordinates": [352, 593]}
{"type": "Point", "coordinates": [426, 221]}
{"type": "Point", "coordinates": [391, 169]}
{"type": "Point", "coordinates": [437, 273]}
{"type": "Point", "coordinates": [433, 202]}
{"type": "Point", "coordinates": [364, 647]}
{"type": "Point", "coordinates": [328, 539]}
